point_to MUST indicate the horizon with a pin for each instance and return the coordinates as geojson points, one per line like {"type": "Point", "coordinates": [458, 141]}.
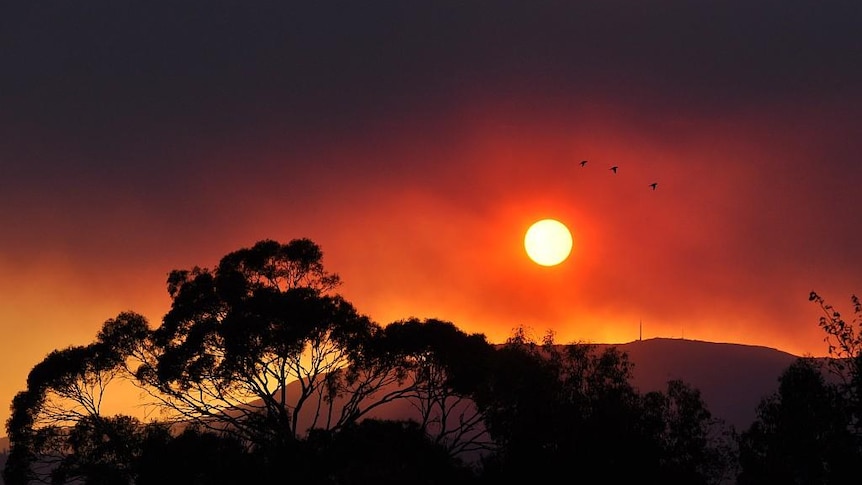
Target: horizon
{"type": "Point", "coordinates": [124, 399]}
{"type": "Point", "coordinates": [119, 400]}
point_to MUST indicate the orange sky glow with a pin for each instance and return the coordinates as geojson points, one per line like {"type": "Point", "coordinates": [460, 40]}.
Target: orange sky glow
{"type": "Point", "coordinates": [421, 205]}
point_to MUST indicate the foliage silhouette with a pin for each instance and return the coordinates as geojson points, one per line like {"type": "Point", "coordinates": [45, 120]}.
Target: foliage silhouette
{"type": "Point", "coordinates": [554, 408]}
{"type": "Point", "coordinates": [194, 456]}
{"type": "Point", "coordinates": [384, 452]}
{"type": "Point", "coordinates": [844, 340]}
{"type": "Point", "coordinates": [801, 434]}
{"type": "Point", "coordinates": [100, 450]}
{"type": "Point", "coordinates": [697, 448]}
{"type": "Point", "coordinates": [810, 429]}
{"type": "Point", "coordinates": [439, 367]}
{"type": "Point", "coordinates": [262, 369]}
{"type": "Point", "coordinates": [235, 337]}
{"type": "Point", "coordinates": [62, 401]}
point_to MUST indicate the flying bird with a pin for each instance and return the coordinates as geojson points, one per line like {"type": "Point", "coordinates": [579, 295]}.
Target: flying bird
{"type": "Point", "coordinates": [583, 162]}
{"type": "Point", "coordinates": [614, 168]}
{"type": "Point", "coordinates": [654, 185]}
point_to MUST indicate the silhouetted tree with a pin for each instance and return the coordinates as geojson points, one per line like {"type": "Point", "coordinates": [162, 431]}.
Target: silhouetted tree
{"type": "Point", "coordinates": [223, 358]}
{"type": "Point", "coordinates": [195, 456]}
{"type": "Point", "coordinates": [61, 404]}
{"type": "Point", "coordinates": [269, 371]}
{"type": "Point", "coordinates": [844, 340]}
{"type": "Point", "coordinates": [439, 368]}
{"type": "Point", "coordinates": [235, 337]}
{"type": "Point", "coordinates": [556, 408]}
{"type": "Point", "coordinates": [383, 452]}
{"type": "Point", "coordinates": [801, 434]}
{"type": "Point", "coordinates": [518, 400]}
{"type": "Point", "coordinates": [695, 446]}
{"type": "Point", "coordinates": [100, 450]}
{"type": "Point", "coordinates": [553, 408]}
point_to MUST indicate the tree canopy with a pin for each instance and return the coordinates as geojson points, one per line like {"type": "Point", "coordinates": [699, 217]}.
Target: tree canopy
{"type": "Point", "coordinates": [262, 366]}
{"type": "Point", "coordinates": [810, 429]}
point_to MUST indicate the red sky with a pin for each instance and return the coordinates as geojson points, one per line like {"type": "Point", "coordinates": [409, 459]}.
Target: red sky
{"type": "Point", "coordinates": [416, 143]}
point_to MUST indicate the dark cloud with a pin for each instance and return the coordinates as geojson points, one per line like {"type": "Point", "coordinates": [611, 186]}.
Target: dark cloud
{"type": "Point", "coordinates": [120, 65]}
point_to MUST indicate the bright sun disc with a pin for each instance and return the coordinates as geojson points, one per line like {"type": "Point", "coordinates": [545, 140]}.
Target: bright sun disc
{"type": "Point", "coordinates": [548, 242]}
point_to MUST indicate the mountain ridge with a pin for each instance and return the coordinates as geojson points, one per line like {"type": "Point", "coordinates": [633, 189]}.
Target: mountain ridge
{"type": "Point", "coordinates": [732, 378]}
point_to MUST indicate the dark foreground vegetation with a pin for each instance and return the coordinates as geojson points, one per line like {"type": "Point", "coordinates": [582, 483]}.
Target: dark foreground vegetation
{"type": "Point", "coordinates": [265, 374]}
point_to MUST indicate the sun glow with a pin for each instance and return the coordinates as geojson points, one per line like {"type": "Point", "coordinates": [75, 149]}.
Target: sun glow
{"type": "Point", "coordinates": [548, 242]}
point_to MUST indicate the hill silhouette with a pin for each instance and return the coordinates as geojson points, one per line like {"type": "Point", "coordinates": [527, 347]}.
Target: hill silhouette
{"type": "Point", "coordinates": [732, 378]}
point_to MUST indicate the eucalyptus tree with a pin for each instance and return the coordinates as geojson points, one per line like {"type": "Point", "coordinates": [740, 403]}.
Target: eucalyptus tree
{"type": "Point", "coordinates": [263, 347]}
{"type": "Point", "coordinates": [62, 405]}
{"type": "Point", "coordinates": [236, 338]}
{"type": "Point", "coordinates": [440, 370]}
{"type": "Point", "coordinates": [260, 348]}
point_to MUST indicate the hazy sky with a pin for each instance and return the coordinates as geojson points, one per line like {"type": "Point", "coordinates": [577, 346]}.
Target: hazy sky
{"type": "Point", "coordinates": [416, 141]}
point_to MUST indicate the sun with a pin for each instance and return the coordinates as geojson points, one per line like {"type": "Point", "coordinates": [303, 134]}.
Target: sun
{"type": "Point", "coordinates": [548, 242]}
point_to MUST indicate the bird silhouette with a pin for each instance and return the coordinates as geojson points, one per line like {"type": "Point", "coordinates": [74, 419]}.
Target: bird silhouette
{"type": "Point", "coordinates": [583, 162]}
{"type": "Point", "coordinates": [614, 168]}
{"type": "Point", "coordinates": [654, 185]}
